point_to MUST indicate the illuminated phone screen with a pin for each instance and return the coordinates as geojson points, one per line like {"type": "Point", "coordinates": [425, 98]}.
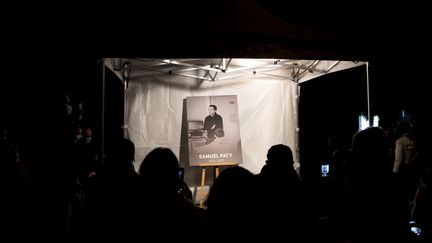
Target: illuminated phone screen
{"type": "Point", "coordinates": [325, 169]}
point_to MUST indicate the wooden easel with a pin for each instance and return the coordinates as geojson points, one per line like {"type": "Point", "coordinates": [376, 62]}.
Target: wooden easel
{"type": "Point", "coordinates": [216, 174]}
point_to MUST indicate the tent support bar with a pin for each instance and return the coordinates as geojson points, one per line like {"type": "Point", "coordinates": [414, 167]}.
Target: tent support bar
{"type": "Point", "coordinates": [179, 74]}
{"type": "Point", "coordinates": [297, 133]}
{"type": "Point", "coordinates": [332, 66]}
{"type": "Point", "coordinates": [102, 151]}
{"type": "Point", "coordinates": [368, 95]}
{"type": "Point", "coordinates": [125, 110]}
{"type": "Point", "coordinates": [191, 65]}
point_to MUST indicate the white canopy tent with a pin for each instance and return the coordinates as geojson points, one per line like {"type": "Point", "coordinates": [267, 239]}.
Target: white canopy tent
{"type": "Point", "coordinates": [267, 90]}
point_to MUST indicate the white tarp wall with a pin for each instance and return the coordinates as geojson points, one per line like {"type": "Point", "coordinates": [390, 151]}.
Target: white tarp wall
{"type": "Point", "coordinates": [266, 93]}
{"type": "Point", "coordinates": [267, 114]}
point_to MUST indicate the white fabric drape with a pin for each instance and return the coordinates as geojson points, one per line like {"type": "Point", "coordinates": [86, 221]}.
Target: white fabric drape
{"type": "Point", "coordinates": [267, 114]}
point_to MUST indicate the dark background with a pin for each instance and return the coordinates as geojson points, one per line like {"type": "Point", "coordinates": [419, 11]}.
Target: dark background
{"type": "Point", "coordinates": [49, 53]}
{"type": "Point", "coordinates": [52, 49]}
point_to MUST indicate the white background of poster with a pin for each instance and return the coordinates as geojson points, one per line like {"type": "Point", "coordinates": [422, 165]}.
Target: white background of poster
{"type": "Point", "coordinates": [267, 115]}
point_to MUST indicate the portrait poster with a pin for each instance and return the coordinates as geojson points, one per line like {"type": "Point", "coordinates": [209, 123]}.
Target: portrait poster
{"type": "Point", "coordinates": [213, 130]}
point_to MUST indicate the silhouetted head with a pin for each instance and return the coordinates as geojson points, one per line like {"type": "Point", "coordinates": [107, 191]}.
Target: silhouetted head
{"type": "Point", "coordinates": [369, 152]}
{"type": "Point", "coordinates": [87, 134]}
{"type": "Point", "coordinates": [120, 158]}
{"type": "Point", "coordinates": [231, 189]}
{"type": "Point", "coordinates": [369, 141]}
{"type": "Point", "coordinates": [212, 110]}
{"type": "Point", "coordinates": [279, 154]}
{"type": "Point", "coordinates": [126, 150]}
{"type": "Point", "coordinates": [405, 127]}
{"type": "Point", "coordinates": [160, 167]}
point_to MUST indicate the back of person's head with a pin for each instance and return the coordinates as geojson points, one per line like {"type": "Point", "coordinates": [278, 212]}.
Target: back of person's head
{"type": "Point", "coordinates": [369, 153]}
{"type": "Point", "coordinates": [122, 155]}
{"type": "Point", "coordinates": [369, 142]}
{"type": "Point", "coordinates": [279, 168]}
{"type": "Point", "coordinates": [127, 150]}
{"type": "Point", "coordinates": [231, 189]}
{"type": "Point", "coordinates": [404, 128]}
{"type": "Point", "coordinates": [280, 154]}
{"type": "Point", "coordinates": [160, 167]}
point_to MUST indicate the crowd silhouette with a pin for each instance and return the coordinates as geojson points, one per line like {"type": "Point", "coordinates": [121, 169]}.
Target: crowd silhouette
{"type": "Point", "coordinates": [85, 195]}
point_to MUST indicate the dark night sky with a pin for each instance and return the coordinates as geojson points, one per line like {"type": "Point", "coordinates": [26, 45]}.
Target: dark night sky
{"type": "Point", "coordinates": [49, 50]}
{"type": "Point", "coordinates": [45, 57]}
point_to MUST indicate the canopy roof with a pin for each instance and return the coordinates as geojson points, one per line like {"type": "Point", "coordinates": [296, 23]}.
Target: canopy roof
{"type": "Point", "coordinates": [219, 69]}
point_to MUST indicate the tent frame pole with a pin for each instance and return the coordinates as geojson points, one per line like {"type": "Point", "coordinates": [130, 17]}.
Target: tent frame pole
{"type": "Point", "coordinates": [102, 142]}
{"type": "Point", "coordinates": [368, 95]}
{"type": "Point", "coordinates": [297, 139]}
{"type": "Point", "coordinates": [125, 110]}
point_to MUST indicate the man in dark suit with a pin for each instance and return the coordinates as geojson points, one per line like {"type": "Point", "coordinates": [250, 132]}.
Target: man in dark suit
{"type": "Point", "coordinates": [213, 123]}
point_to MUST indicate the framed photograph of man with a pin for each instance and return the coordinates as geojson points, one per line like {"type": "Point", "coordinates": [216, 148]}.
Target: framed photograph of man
{"type": "Point", "coordinates": [213, 130]}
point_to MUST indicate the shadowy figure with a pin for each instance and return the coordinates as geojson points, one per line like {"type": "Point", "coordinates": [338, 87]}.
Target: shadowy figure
{"type": "Point", "coordinates": [86, 152]}
{"type": "Point", "coordinates": [375, 207]}
{"type": "Point", "coordinates": [282, 203]}
{"type": "Point", "coordinates": [160, 167]}
{"type": "Point", "coordinates": [406, 163]}
{"type": "Point", "coordinates": [230, 205]}
{"type": "Point", "coordinates": [112, 195]}
{"type": "Point", "coordinates": [163, 208]}
{"type": "Point", "coordinates": [122, 159]}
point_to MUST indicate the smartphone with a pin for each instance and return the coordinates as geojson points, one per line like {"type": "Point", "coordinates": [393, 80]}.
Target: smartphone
{"type": "Point", "coordinates": [181, 174]}
{"type": "Point", "coordinates": [325, 169]}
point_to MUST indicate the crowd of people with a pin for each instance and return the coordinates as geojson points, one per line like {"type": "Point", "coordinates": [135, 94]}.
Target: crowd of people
{"type": "Point", "coordinates": [379, 192]}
